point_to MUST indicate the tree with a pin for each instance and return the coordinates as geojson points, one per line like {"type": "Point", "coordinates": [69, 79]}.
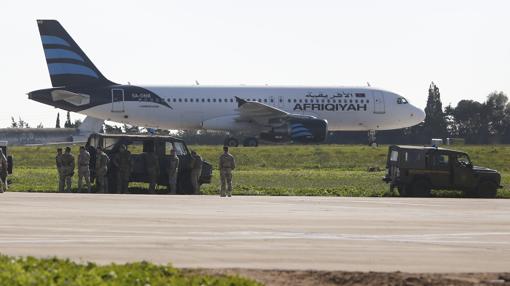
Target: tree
{"type": "Point", "coordinates": [19, 124]}
{"type": "Point", "coordinates": [68, 123]}
{"type": "Point", "coordinates": [468, 120]}
{"type": "Point", "coordinates": [495, 111]}
{"type": "Point", "coordinates": [57, 125]}
{"type": "Point", "coordinates": [435, 120]}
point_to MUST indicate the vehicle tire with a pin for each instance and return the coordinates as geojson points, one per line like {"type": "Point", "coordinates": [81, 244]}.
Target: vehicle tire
{"type": "Point", "coordinates": [420, 188]}
{"type": "Point", "coordinates": [404, 191]}
{"type": "Point", "coordinates": [251, 142]}
{"type": "Point", "coordinates": [487, 189]}
{"type": "Point", "coordinates": [231, 142]}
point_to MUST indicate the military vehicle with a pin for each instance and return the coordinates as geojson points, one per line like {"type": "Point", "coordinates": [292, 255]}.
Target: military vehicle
{"type": "Point", "coordinates": [10, 161]}
{"type": "Point", "coordinates": [414, 171]}
{"type": "Point", "coordinates": [137, 145]}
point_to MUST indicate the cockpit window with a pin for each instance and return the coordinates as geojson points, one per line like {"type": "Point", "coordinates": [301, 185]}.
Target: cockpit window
{"type": "Point", "coordinates": [401, 100]}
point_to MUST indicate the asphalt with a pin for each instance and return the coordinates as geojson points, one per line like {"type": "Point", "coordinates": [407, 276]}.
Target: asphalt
{"type": "Point", "coordinates": [354, 234]}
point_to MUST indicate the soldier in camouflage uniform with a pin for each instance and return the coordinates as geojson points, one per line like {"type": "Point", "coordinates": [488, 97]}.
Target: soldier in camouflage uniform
{"type": "Point", "coordinates": [83, 168]}
{"type": "Point", "coordinates": [61, 178]}
{"type": "Point", "coordinates": [152, 167]}
{"type": "Point", "coordinates": [102, 161]}
{"type": "Point", "coordinates": [196, 170]}
{"type": "Point", "coordinates": [68, 168]}
{"type": "Point", "coordinates": [3, 172]}
{"type": "Point", "coordinates": [227, 164]}
{"type": "Point", "coordinates": [122, 161]}
{"type": "Point", "coordinates": [172, 169]}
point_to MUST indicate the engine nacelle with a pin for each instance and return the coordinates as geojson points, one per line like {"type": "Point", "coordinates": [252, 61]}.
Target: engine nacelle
{"type": "Point", "coordinates": [226, 123]}
{"type": "Point", "coordinates": [298, 130]}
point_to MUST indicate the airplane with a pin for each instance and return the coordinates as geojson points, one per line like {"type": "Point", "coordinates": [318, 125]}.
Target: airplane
{"type": "Point", "coordinates": [276, 114]}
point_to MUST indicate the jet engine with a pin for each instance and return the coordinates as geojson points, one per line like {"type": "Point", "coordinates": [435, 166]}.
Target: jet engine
{"type": "Point", "coordinates": [304, 130]}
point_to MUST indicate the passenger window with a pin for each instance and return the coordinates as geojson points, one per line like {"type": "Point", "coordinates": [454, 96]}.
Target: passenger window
{"type": "Point", "coordinates": [179, 148]}
{"type": "Point", "coordinates": [185, 100]}
{"type": "Point", "coordinates": [191, 100]}
{"type": "Point", "coordinates": [440, 161]}
{"type": "Point", "coordinates": [394, 156]}
{"type": "Point", "coordinates": [219, 100]}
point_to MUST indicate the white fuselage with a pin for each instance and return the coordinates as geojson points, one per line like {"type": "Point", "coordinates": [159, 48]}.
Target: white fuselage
{"type": "Point", "coordinates": [344, 108]}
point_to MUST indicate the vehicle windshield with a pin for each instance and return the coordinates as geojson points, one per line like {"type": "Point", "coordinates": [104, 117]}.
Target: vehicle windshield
{"type": "Point", "coordinates": [463, 159]}
{"type": "Point", "coordinates": [402, 100]}
{"type": "Point", "coordinates": [177, 146]}
{"type": "Point", "coordinates": [109, 143]}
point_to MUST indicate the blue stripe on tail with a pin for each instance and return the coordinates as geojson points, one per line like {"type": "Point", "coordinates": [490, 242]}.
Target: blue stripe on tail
{"type": "Point", "coordinates": [61, 68]}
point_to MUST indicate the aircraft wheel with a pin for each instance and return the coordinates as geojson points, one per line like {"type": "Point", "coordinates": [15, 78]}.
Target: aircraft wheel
{"type": "Point", "coordinates": [251, 142]}
{"type": "Point", "coordinates": [231, 142]}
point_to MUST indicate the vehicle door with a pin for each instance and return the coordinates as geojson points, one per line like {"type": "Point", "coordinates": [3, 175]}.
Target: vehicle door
{"type": "Point", "coordinates": [462, 171]}
{"type": "Point", "coordinates": [439, 169]}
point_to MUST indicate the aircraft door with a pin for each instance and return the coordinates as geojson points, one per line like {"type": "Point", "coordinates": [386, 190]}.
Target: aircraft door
{"type": "Point", "coordinates": [378, 102]}
{"type": "Point", "coordinates": [117, 100]}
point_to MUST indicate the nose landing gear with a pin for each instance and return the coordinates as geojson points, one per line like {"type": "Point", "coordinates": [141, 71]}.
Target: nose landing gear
{"type": "Point", "coordinates": [372, 138]}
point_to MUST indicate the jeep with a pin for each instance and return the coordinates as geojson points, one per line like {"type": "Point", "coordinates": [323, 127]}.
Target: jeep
{"type": "Point", "coordinates": [137, 145]}
{"type": "Point", "coordinates": [414, 171]}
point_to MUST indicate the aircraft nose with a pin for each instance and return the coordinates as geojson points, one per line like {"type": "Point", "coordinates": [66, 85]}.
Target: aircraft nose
{"type": "Point", "coordinates": [418, 115]}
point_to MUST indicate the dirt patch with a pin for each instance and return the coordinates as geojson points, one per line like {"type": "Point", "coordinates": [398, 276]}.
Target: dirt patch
{"type": "Point", "coordinates": [327, 278]}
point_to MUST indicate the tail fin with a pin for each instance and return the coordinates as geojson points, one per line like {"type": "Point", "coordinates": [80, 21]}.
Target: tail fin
{"type": "Point", "coordinates": [67, 63]}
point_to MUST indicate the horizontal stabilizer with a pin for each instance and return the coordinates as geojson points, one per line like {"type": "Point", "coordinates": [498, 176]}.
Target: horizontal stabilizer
{"type": "Point", "coordinates": [77, 99]}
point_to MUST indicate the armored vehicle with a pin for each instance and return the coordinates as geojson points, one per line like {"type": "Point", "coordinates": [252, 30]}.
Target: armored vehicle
{"type": "Point", "coordinates": [414, 171]}
{"type": "Point", "coordinates": [138, 145]}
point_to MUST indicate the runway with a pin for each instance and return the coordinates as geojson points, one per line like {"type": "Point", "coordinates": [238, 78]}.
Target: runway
{"type": "Point", "coordinates": [354, 234]}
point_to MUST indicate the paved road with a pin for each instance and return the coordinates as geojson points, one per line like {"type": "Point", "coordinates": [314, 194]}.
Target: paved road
{"type": "Point", "coordinates": [380, 234]}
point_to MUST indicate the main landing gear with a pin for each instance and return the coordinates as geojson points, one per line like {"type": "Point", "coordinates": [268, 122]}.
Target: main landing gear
{"type": "Point", "coordinates": [372, 138]}
{"type": "Point", "coordinates": [247, 142]}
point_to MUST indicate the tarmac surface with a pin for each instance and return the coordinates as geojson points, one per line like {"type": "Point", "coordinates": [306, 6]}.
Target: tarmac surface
{"type": "Point", "coordinates": [321, 233]}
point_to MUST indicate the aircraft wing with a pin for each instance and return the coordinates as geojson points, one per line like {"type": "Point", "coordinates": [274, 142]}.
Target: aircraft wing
{"type": "Point", "coordinates": [258, 112]}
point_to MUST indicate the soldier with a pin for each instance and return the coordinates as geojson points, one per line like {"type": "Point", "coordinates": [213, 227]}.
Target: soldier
{"type": "Point", "coordinates": [68, 168]}
{"type": "Point", "coordinates": [172, 169]}
{"type": "Point", "coordinates": [122, 162]}
{"type": "Point", "coordinates": [227, 164]}
{"type": "Point", "coordinates": [58, 161]}
{"type": "Point", "coordinates": [101, 170]}
{"type": "Point", "coordinates": [196, 170]}
{"type": "Point", "coordinates": [3, 172]}
{"type": "Point", "coordinates": [152, 167]}
{"type": "Point", "coordinates": [83, 168]}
